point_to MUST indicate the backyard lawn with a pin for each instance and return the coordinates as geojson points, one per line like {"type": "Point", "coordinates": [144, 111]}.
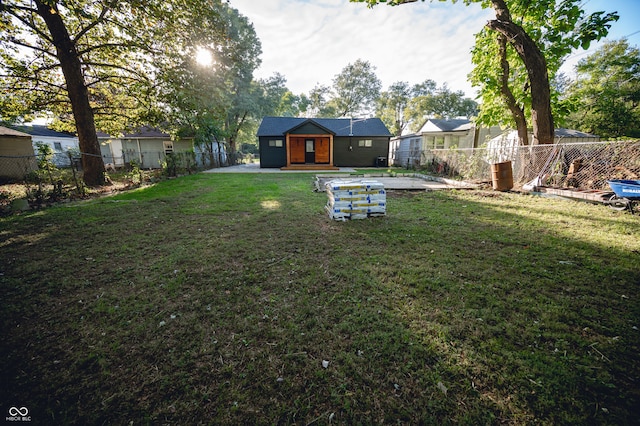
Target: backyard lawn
{"type": "Point", "coordinates": [233, 299]}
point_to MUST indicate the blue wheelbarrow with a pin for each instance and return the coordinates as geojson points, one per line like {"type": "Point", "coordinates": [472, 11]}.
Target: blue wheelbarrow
{"type": "Point", "coordinates": [626, 194]}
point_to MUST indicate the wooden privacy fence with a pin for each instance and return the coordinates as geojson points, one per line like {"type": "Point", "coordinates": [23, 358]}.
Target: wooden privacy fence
{"type": "Point", "coordinates": [576, 165]}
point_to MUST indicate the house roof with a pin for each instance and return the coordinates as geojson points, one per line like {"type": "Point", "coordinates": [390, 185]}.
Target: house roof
{"type": "Point", "coordinates": [569, 133]}
{"type": "Point", "coordinates": [559, 134]}
{"type": "Point", "coordinates": [40, 130]}
{"type": "Point", "coordinates": [5, 131]}
{"type": "Point", "coordinates": [279, 126]}
{"type": "Point", "coordinates": [144, 132]}
{"type": "Point", "coordinates": [147, 132]}
{"type": "Point", "coordinates": [453, 125]}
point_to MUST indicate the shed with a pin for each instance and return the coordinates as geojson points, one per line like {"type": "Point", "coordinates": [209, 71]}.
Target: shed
{"type": "Point", "coordinates": [17, 158]}
{"type": "Point", "coordinates": [147, 145]}
{"type": "Point", "coordinates": [294, 143]}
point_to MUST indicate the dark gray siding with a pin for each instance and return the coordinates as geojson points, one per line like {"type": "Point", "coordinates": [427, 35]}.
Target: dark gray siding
{"type": "Point", "coordinates": [359, 156]}
{"type": "Point", "coordinates": [271, 156]}
{"type": "Point", "coordinates": [309, 129]}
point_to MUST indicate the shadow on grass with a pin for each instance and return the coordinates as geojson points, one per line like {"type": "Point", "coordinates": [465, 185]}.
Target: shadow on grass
{"type": "Point", "coordinates": [216, 299]}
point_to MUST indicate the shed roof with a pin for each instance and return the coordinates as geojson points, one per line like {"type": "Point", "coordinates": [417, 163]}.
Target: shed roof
{"type": "Point", "coordinates": [144, 132]}
{"type": "Point", "coordinates": [5, 131]}
{"type": "Point", "coordinates": [40, 130]}
{"type": "Point", "coordinates": [570, 133]}
{"type": "Point", "coordinates": [559, 133]}
{"type": "Point", "coordinates": [279, 126]}
{"type": "Point", "coordinates": [147, 132]}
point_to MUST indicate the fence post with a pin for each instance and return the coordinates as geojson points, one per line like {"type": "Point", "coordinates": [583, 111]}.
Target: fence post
{"type": "Point", "coordinates": [79, 189]}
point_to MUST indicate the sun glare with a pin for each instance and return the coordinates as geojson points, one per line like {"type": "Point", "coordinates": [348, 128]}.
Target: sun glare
{"type": "Point", "coordinates": [203, 56]}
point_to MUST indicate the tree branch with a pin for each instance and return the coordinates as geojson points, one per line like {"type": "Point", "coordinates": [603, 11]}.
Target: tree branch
{"type": "Point", "coordinates": [28, 23]}
{"type": "Point", "coordinates": [29, 46]}
{"type": "Point", "coordinates": [89, 27]}
{"type": "Point", "coordinates": [110, 45]}
{"type": "Point", "coordinates": [507, 94]}
{"type": "Point", "coordinates": [34, 80]}
{"type": "Point", "coordinates": [100, 64]}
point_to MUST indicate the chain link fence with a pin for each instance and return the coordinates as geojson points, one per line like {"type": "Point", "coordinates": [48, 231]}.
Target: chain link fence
{"type": "Point", "coordinates": [23, 168]}
{"type": "Point", "coordinates": [575, 165]}
{"type": "Point", "coordinates": [47, 178]}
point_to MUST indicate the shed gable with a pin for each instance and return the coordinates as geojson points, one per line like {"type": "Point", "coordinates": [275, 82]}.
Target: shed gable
{"type": "Point", "coordinates": [309, 128]}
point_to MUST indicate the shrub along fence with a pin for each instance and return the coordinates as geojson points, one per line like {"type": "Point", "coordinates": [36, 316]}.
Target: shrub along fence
{"type": "Point", "coordinates": [52, 176]}
{"type": "Point", "coordinates": [576, 165]}
{"type": "Point", "coordinates": [21, 168]}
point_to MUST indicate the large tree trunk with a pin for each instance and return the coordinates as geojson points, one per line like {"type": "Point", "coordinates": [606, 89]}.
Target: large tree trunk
{"type": "Point", "coordinates": [534, 61]}
{"type": "Point", "coordinates": [507, 95]}
{"type": "Point", "coordinates": [92, 163]}
{"type": "Point", "coordinates": [233, 126]}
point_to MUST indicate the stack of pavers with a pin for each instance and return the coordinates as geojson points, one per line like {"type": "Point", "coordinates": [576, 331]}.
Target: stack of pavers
{"type": "Point", "coordinates": [355, 199]}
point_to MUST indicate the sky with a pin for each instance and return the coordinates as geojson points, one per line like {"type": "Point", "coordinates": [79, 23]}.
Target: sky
{"type": "Point", "coordinates": [310, 41]}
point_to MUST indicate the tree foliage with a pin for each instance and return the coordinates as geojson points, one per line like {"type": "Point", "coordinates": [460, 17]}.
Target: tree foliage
{"type": "Point", "coordinates": [124, 64]}
{"type": "Point", "coordinates": [355, 89]}
{"type": "Point", "coordinates": [214, 100]}
{"type": "Point", "coordinates": [78, 60]}
{"type": "Point", "coordinates": [527, 42]}
{"type": "Point", "coordinates": [319, 102]}
{"type": "Point", "coordinates": [557, 27]}
{"type": "Point", "coordinates": [606, 92]}
{"type": "Point", "coordinates": [403, 107]}
{"type": "Point", "coordinates": [392, 104]}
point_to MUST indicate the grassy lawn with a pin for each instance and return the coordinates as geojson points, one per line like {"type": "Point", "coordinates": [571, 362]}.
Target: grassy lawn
{"type": "Point", "coordinates": [216, 298]}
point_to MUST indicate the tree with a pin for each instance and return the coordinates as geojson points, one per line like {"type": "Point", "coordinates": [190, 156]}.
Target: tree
{"type": "Point", "coordinates": [403, 106]}
{"type": "Point", "coordinates": [319, 104]}
{"type": "Point", "coordinates": [392, 104]}
{"type": "Point", "coordinates": [440, 103]}
{"type": "Point", "coordinates": [529, 52]}
{"type": "Point", "coordinates": [277, 100]}
{"type": "Point", "coordinates": [606, 92]}
{"type": "Point", "coordinates": [245, 56]}
{"type": "Point", "coordinates": [504, 80]}
{"type": "Point", "coordinates": [272, 98]}
{"type": "Point", "coordinates": [356, 89]}
{"type": "Point", "coordinates": [75, 59]}
{"type": "Point", "coordinates": [213, 101]}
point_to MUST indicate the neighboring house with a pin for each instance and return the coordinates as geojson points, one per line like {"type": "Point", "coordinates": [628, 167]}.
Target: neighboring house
{"type": "Point", "coordinates": [148, 147]}
{"type": "Point", "coordinates": [59, 142]}
{"type": "Point", "coordinates": [322, 143]}
{"type": "Point", "coordinates": [17, 158]}
{"type": "Point", "coordinates": [414, 149]}
{"type": "Point", "coordinates": [504, 147]}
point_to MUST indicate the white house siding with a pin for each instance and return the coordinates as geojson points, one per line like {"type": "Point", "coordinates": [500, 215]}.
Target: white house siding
{"type": "Point", "coordinates": [60, 143]}
{"type": "Point", "coordinates": [504, 146]}
{"type": "Point", "coordinates": [60, 147]}
{"type": "Point", "coordinates": [431, 137]}
{"type": "Point", "coordinates": [151, 152]}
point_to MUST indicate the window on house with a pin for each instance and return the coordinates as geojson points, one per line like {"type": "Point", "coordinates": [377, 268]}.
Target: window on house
{"type": "Point", "coordinates": [365, 143]}
{"type": "Point", "coordinates": [57, 146]}
{"type": "Point", "coordinates": [310, 145]}
{"type": "Point", "coordinates": [454, 141]}
{"type": "Point", "coordinates": [414, 147]}
{"type": "Point", "coordinates": [439, 142]}
{"type": "Point", "coordinates": [430, 142]}
{"type": "Point", "coordinates": [168, 147]}
{"type": "Point", "coordinates": [276, 143]}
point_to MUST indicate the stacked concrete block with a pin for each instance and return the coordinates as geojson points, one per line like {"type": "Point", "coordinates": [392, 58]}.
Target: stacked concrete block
{"type": "Point", "coordinates": [355, 199]}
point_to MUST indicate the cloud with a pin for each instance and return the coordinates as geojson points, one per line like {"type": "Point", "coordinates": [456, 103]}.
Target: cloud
{"type": "Point", "coordinates": [309, 42]}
